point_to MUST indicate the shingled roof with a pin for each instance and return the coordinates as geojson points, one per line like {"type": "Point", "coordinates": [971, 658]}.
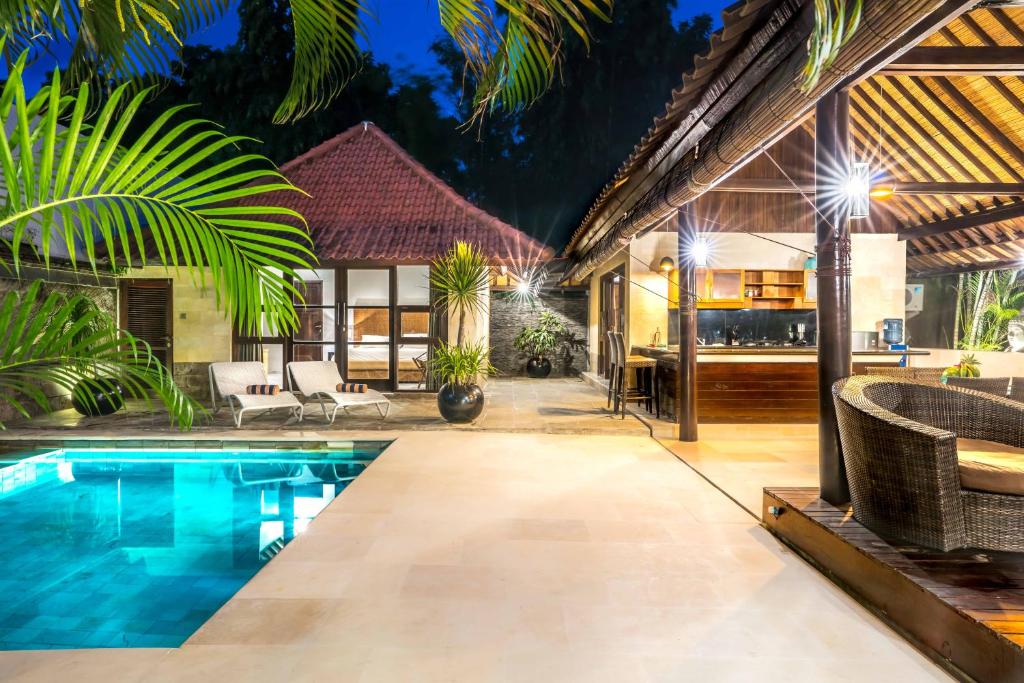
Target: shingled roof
{"type": "Point", "coordinates": [370, 200]}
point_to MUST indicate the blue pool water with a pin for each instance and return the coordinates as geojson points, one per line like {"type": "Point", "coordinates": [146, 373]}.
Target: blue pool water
{"type": "Point", "coordinates": [138, 549]}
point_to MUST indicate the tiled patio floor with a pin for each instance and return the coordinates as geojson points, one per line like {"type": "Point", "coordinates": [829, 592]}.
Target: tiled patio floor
{"type": "Point", "coordinates": [481, 556]}
{"type": "Point", "coordinates": [554, 406]}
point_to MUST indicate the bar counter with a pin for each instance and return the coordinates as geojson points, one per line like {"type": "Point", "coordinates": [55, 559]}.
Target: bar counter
{"type": "Point", "coordinates": [776, 384]}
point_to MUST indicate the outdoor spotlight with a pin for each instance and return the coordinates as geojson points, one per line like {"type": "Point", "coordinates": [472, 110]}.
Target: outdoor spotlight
{"type": "Point", "coordinates": [617, 279]}
{"type": "Point", "coordinates": [524, 286]}
{"type": "Point", "coordinates": [667, 264]}
{"type": "Point", "coordinates": [858, 190]}
{"type": "Point", "coordinates": [700, 252]}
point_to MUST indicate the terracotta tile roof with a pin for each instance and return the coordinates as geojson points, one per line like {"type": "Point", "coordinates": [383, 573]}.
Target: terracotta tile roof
{"type": "Point", "coordinates": [369, 199]}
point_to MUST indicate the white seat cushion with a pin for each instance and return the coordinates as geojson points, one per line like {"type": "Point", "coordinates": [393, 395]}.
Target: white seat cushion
{"type": "Point", "coordinates": [368, 397]}
{"type": "Point", "coordinates": [990, 467]}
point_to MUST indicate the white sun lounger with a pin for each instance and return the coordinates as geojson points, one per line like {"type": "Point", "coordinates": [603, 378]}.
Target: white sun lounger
{"type": "Point", "coordinates": [229, 380]}
{"type": "Point", "coordinates": [318, 381]}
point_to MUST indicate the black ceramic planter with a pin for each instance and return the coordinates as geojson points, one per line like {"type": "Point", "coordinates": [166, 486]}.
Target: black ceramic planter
{"type": "Point", "coordinates": [97, 397]}
{"type": "Point", "coordinates": [538, 368]}
{"type": "Point", "coordinates": [460, 403]}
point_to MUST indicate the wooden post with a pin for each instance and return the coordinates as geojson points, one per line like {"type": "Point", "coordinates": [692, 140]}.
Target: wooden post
{"type": "Point", "coordinates": [686, 378]}
{"type": "Point", "coordinates": [831, 161]}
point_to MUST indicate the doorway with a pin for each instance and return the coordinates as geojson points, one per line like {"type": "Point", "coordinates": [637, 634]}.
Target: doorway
{"type": "Point", "coordinates": [612, 313]}
{"type": "Point", "coordinates": [373, 321]}
{"type": "Point", "coordinates": [146, 311]}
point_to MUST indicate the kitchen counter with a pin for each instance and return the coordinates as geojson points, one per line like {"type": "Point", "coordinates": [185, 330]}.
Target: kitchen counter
{"type": "Point", "coordinates": [756, 384]}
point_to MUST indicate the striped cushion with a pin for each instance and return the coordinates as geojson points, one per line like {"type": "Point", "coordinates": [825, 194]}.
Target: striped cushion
{"type": "Point", "coordinates": [351, 388]}
{"type": "Point", "coordinates": [263, 389]}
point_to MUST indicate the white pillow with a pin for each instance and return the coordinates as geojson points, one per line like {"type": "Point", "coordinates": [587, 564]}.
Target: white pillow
{"type": "Point", "coordinates": [374, 338]}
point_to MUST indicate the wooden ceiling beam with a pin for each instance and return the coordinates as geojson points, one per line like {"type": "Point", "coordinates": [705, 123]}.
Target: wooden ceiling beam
{"type": "Point", "coordinates": [929, 60]}
{"type": "Point", "coordinates": [983, 121]}
{"type": "Point", "coordinates": [1008, 264]}
{"type": "Point", "coordinates": [993, 214]}
{"type": "Point", "coordinates": [806, 186]}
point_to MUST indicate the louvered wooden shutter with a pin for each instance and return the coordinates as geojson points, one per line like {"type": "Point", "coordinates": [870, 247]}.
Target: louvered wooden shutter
{"type": "Point", "coordinates": [146, 314]}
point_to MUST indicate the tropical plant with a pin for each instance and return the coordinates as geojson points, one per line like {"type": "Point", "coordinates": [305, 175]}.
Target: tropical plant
{"type": "Point", "coordinates": [60, 340]}
{"type": "Point", "coordinates": [986, 304]}
{"type": "Point", "coordinates": [543, 339]}
{"type": "Point", "coordinates": [459, 278]}
{"type": "Point", "coordinates": [835, 22]}
{"type": "Point", "coordinates": [71, 182]}
{"type": "Point", "coordinates": [513, 60]}
{"type": "Point", "coordinates": [967, 367]}
{"type": "Point", "coordinates": [460, 365]}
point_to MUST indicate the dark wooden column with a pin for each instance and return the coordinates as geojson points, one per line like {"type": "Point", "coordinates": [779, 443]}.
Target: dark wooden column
{"type": "Point", "coordinates": [686, 378]}
{"type": "Point", "coordinates": [831, 160]}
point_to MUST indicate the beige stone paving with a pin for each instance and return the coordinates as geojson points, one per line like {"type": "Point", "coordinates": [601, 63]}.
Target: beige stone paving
{"type": "Point", "coordinates": [742, 459]}
{"type": "Point", "coordinates": [554, 406]}
{"type": "Point", "coordinates": [522, 557]}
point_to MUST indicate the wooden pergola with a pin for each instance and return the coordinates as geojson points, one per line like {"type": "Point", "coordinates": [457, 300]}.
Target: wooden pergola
{"type": "Point", "coordinates": [930, 93]}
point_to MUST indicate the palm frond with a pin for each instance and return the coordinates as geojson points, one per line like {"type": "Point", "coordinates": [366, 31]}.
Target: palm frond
{"type": "Point", "coordinates": [61, 341]}
{"type": "Point", "coordinates": [835, 22]}
{"type": "Point", "coordinates": [80, 187]}
{"type": "Point", "coordinates": [530, 51]}
{"type": "Point", "coordinates": [459, 279]}
{"type": "Point", "coordinates": [326, 53]}
{"type": "Point", "coordinates": [112, 41]}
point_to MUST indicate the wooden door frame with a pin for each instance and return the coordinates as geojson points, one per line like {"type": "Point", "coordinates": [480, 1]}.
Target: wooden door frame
{"type": "Point", "coordinates": [608, 279]}
{"type": "Point", "coordinates": [148, 283]}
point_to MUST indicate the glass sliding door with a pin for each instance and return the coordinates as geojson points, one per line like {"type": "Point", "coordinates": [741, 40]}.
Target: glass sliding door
{"type": "Point", "coordinates": [413, 327]}
{"type": "Point", "coordinates": [316, 334]}
{"type": "Point", "coordinates": [367, 327]}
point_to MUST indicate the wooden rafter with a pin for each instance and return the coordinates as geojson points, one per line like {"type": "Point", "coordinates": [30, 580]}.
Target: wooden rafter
{"type": "Point", "coordinates": [993, 214]}
{"type": "Point", "coordinates": [806, 186]}
{"type": "Point", "coordinates": [931, 60]}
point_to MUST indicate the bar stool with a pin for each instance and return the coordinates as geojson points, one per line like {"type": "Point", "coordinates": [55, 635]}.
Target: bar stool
{"type": "Point", "coordinates": [645, 390]}
{"type": "Point", "coordinates": [613, 364]}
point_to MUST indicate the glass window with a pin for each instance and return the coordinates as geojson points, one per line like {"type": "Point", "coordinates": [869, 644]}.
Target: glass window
{"type": "Point", "coordinates": [316, 287]}
{"type": "Point", "coordinates": [412, 366]}
{"type": "Point", "coordinates": [369, 325]}
{"type": "Point", "coordinates": [301, 352]}
{"type": "Point", "coordinates": [272, 356]}
{"type": "Point", "coordinates": [315, 324]}
{"type": "Point", "coordinates": [415, 323]}
{"type": "Point", "coordinates": [413, 285]}
{"type": "Point", "coordinates": [369, 288]}
{"type": "Point", "coordinates": [368, 362]}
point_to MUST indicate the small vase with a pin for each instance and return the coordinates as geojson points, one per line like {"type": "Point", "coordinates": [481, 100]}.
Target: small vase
{"type": "Point", "coordinates": [460, 403]}
{"type": "Point", "coordinates": [538, 367]}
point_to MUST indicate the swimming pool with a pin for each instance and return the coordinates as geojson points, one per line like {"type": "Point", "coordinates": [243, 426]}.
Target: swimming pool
{"type": "Point", "coordinates": [118, 548]}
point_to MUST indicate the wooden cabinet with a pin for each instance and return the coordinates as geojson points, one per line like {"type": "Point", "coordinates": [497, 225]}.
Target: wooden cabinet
{"type": "Point", "coordinates": [771, 289]}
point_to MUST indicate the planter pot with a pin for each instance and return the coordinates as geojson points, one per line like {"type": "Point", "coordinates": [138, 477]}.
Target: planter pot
{"type": "Point", "coordinates": [538, 368]}
{"type": "Point", "coordinates": [460, 403]}
{"type": "Point", "coordinates": [97, 397]}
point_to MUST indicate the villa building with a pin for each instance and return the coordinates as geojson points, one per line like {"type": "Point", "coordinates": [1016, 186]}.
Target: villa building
{"type": "Point", "coordinates": [377, 218]}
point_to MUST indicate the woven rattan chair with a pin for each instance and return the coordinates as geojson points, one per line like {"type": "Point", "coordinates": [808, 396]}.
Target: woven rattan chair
{"type": "Point", "coordinates": [900, 450]}
{"type": "Point", "coordinates": [997, 386]}
{"type": "Point", "coordinates": [918, 374]}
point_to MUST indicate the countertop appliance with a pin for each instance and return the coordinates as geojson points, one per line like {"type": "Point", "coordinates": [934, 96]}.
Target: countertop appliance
{"type": "Point", "coordinates": [865, 341]}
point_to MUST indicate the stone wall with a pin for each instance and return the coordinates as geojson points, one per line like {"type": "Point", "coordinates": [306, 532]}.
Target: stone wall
{"type": "Point", "coordinates": [105, 298]}
{"type": "Point", "coordinates": [509, 314]}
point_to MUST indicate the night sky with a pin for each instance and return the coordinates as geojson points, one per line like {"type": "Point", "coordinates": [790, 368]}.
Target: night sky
{"type": "Point", "coordinates": [400, 35]}
{"type": "Point", "coordinates": [404, 29]}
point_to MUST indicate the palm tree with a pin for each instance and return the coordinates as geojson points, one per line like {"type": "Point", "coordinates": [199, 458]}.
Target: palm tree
{"type": "Point", "coordinates": [460, 277]}
{"type": "Point", "coordinates": [59, 340]}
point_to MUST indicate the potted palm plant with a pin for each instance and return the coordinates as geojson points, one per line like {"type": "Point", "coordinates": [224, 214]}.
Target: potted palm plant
{"type": "Point", "coordinates": [539, 343]}
{"type": "Point", "coordinates": [459, 279]}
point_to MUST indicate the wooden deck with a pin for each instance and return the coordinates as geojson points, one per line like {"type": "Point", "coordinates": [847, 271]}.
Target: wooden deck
{"type": "Point", "coordinates": [964, 608]}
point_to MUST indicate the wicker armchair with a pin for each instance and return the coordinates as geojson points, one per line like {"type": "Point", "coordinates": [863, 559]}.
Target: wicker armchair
{"type": "Point", "coordinates": [997, 386]}
{"type": "Point", "coordinates": [899, 445]}
{"type": "Point", "coordinates": [919, 374]}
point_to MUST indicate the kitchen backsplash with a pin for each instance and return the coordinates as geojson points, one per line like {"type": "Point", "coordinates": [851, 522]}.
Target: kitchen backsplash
{"type": "Point", "coordinates": [748, 326]}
